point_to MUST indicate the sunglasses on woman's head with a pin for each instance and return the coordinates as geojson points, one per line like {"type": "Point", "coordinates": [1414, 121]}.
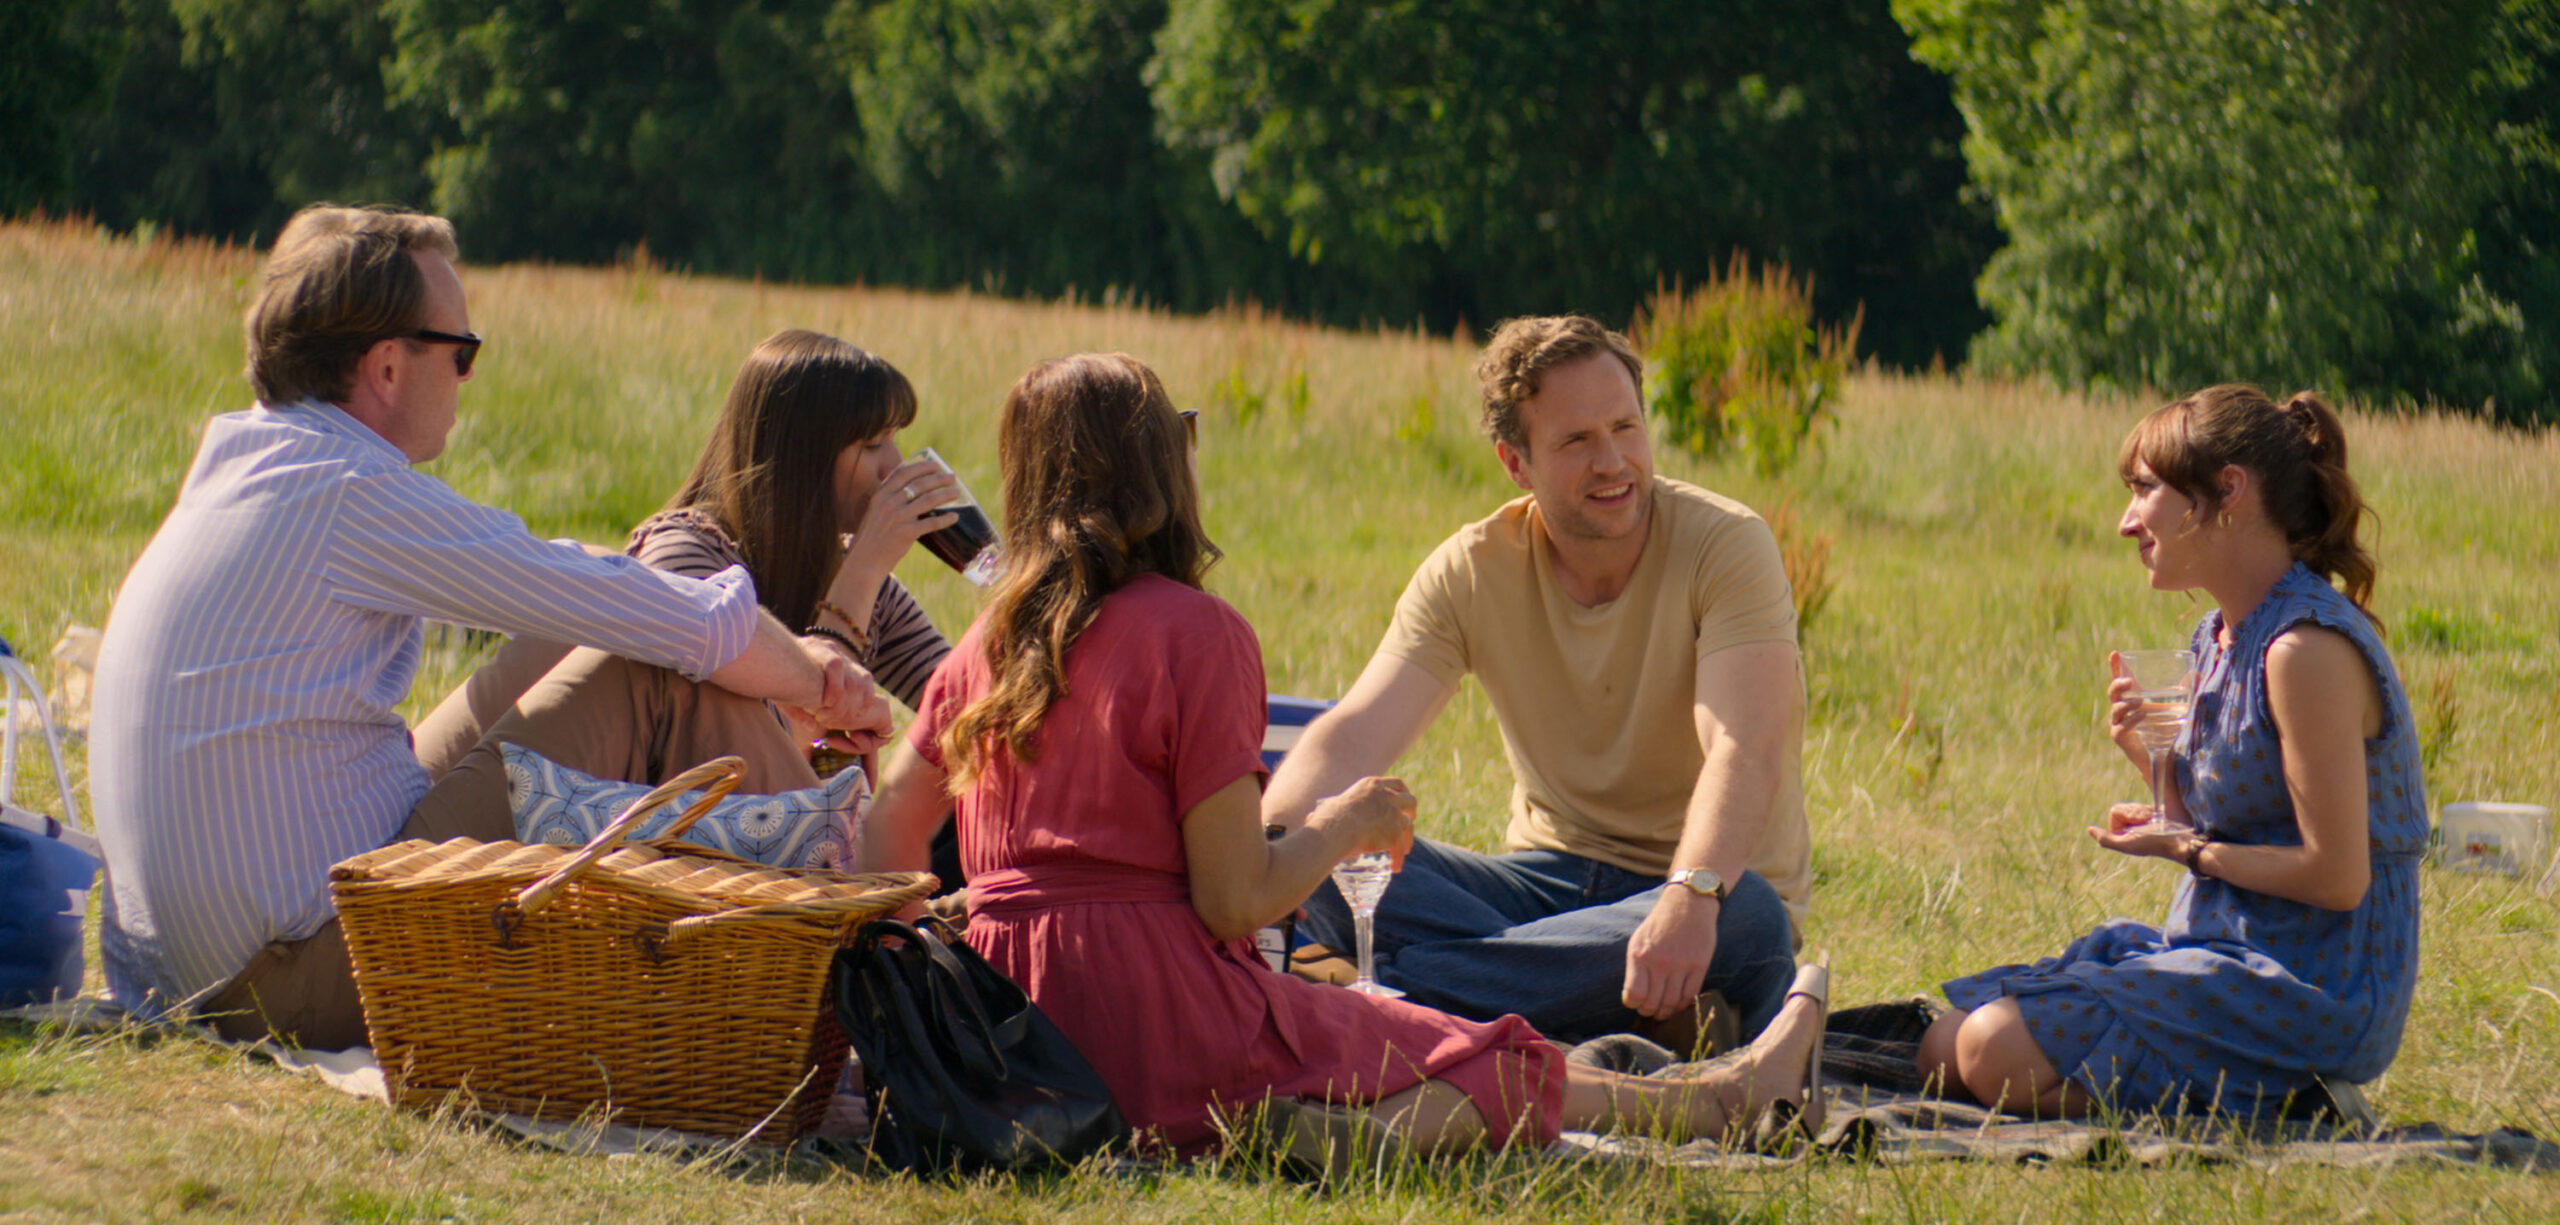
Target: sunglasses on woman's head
{"type": "Point", "coordinates": [466, 347]}
{"type": "Point", "coordinates": [1191, 426]}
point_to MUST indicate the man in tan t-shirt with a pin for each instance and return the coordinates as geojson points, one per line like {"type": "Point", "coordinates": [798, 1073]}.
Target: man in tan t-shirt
{"type": "Point", "coordinates": [1636, 637]}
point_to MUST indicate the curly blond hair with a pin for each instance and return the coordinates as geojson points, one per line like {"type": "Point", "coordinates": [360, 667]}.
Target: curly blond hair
{"type": "Point", "coordinates": [1521, 352]}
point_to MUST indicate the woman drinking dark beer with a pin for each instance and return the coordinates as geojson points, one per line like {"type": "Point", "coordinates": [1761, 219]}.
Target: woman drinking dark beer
{"type": "Point", "coordinates": [802, 483]}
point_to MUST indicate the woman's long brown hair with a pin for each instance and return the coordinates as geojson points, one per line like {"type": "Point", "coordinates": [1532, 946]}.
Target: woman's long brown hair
{"type": "Point", "coordinates": [767, 474]}
{"type": "Point", "coordinates": [1098, 490]}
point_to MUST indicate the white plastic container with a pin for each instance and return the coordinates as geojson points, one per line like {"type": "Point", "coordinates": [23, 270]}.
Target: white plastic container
{"type": "Point", "coordinates": [2489, 837]}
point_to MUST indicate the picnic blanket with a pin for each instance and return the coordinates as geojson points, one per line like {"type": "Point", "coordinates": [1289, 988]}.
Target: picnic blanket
{"type": "Point", "coordinates": [1863, 1122]}
{"type": "Point", "coordinates": [1876, 1109]}
{"type": "Point", "coordinates": [354, 1072]}
{"type": "Point", "coordinates": [1904, 1128]}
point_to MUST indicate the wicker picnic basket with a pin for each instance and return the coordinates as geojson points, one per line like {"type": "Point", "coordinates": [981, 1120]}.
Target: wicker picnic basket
{"type": "Point", "coordinates": [658, 984]}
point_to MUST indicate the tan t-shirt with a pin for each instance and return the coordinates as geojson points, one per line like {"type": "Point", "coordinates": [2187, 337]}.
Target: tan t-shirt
{"type": "Point", "coordinates": [1596, 704]}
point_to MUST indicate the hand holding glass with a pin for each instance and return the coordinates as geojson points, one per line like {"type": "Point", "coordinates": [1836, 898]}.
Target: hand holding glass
{"type": "Point", "coordinates": [1363, 880]}
{"type": "Point", "coordinates": [2164, 684]}
{"type": "Point", "coordinates": [969, 544]}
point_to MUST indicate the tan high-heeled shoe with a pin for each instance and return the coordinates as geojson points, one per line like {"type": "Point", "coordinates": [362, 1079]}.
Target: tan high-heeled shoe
{"type": "Point", "coordinates": [1786, 1124]}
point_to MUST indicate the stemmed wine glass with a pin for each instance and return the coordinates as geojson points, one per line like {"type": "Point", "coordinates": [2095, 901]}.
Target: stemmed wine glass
{"type": "Point", "coordinates": [2164, 682]}
{"type": "Point", "coordinates": [1363, 880]}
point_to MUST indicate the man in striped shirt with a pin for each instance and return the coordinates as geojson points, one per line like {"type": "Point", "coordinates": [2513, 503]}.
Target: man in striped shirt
{"type": "Point", "coordinates": [245, 729]}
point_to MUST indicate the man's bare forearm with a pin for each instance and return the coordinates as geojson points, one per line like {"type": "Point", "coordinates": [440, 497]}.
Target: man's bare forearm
{"type": "Point", "coordinates": [772, 667]}
{"type": "Point", "coordinates": [1729, 808]}
{"type": "Point", "coordinates": [1750, 716]}
{"type": "Point", "coordinates": [1326, 760]}
{"type": "Point", "coordinates": [1375, 723]}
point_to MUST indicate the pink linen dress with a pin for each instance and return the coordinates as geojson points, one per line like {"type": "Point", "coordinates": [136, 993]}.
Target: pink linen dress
{"type": "Point", "coordinates": [1080, 893]}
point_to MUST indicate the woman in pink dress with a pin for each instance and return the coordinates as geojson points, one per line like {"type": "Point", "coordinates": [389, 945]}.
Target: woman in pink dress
{"type": "Point", "coordinates": [1100, 727]}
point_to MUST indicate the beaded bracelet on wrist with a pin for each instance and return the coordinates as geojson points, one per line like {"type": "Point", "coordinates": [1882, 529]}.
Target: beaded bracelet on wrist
{"type": "Point", "coordinates": [820, 631]}
{"type": "Point", "coordinates": [860, 637]}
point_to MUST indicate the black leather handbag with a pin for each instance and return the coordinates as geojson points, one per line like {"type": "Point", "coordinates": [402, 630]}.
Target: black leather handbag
{"type": "Point", "coordinates": [962, 1070]}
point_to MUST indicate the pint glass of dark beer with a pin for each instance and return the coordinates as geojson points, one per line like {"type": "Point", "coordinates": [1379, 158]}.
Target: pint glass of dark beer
{"type": "Point", "coordinates": [969, 545]}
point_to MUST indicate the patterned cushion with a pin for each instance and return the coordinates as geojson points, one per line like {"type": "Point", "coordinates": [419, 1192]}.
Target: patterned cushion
{"type": "Point", "coordinates": [810, 828]}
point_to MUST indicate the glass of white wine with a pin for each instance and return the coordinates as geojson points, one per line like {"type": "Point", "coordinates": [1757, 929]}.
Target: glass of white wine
{"type": "Point", "coordinates": [1363, 880]}
{"type": "Point", "coordinates": [2164, 682]}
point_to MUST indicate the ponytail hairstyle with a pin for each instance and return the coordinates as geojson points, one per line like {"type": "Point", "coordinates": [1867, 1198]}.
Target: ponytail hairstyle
{"type": "Point", "coordinates": [2297, 452]}
{"type": "Point", "coordinates": [1098, 490]}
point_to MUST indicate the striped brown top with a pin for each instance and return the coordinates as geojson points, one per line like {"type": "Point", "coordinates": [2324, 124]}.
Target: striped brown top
{"type": "Point", "coordinates": [905, 647]}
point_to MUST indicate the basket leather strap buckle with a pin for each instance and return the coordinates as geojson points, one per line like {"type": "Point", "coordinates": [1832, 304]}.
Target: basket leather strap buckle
{"type": "Point", "coordinates": [505, 917]}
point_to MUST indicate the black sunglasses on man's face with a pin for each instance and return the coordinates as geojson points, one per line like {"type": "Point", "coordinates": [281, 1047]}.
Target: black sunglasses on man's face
{"type": "Point", "coordinates": [466, 347]}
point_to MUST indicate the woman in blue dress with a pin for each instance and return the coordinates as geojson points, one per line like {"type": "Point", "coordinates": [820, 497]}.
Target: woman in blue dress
{"type": "Point", "coordinates": [2293, 806]}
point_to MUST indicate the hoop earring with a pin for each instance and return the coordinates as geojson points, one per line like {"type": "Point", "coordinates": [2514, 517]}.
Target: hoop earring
{"type": "Point", "coordinates": [2223, 519]}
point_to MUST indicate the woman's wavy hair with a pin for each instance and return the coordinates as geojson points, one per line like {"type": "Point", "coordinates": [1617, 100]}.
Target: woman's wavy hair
{"type": "Point", "coordinates": [2297, 452]}
{"type": "Point", "coordinates": [1098, 490]}
{"type": "Point", "coordinates": [767, 473]}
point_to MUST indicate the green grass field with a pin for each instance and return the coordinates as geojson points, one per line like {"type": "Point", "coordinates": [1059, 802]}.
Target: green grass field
{"type": "Point", "coordinates": [1952, 755]}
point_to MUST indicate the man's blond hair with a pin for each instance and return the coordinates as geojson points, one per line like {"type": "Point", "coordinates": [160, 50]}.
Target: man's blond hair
{"type": "Point", "coordinates": [338, 282]}
{"type": "Point", "coordinates": [1521, 352]}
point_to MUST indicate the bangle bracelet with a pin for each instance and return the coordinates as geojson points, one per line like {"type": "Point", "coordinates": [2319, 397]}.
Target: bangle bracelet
{"type": "Point", "coordinates": [2193, 852]}
{"type": "Point", "coordinates": [820, 631]}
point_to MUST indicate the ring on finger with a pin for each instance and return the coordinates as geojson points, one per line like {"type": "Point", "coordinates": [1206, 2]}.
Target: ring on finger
{"type": "Point", "coordinates": [911, 493]}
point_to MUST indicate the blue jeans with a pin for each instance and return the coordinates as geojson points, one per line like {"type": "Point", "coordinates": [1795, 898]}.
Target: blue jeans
{"type": "Point", "coordinates": [1543, 934]}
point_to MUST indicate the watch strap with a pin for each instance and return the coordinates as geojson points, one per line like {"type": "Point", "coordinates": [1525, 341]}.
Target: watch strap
{"type": "Point", "coordinates": [1686, 878]}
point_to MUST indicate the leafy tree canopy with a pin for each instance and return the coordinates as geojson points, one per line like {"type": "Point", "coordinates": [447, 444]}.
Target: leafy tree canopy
{"type": "Point", "coordinates": [2291, 193]}
{"type": "Point", "coordinates": [1022, 126]}
{"type": "Point", "coordinates": [1545, 155]}
{"type": "Point", "coordinates": [52, 68]}
{"type": "Point", "coordinates": [717, 132]}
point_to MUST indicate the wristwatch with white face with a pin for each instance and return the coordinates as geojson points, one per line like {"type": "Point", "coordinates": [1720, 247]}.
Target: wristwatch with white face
{"type": "Point", "coordinates": [1701, 881]}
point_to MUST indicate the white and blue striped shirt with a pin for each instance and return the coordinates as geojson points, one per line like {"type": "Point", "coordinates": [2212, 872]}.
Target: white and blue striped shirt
{"type": "Point", "coordinates": [245, 732]}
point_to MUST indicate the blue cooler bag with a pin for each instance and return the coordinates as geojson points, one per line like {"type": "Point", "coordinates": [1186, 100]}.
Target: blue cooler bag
{"type": "Point", "coordinates": [45, 865]}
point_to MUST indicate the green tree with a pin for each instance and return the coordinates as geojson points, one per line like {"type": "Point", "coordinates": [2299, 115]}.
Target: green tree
{"type": "Point", "coordinates": [1021, 130]}
{"type": "Point", "coordinates": [224, 115]}
{"type": "Point", "coordinates": [2288, 193]}
{"type": "Point", "coordinates": [53, 71]}
{"type": "Point", "coordinates": [714, 131]}
{"type": "Point", "coordinates": [1014, 142]}
{"type": "Point", "coordinates": [1539, 155]}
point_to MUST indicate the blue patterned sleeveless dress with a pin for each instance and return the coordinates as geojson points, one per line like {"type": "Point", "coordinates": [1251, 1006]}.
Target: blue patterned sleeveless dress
{"type": "Point", "coordinates": [2243, 996]}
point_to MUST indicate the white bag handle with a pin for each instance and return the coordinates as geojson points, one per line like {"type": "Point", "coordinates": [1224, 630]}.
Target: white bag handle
{"type": "Point", "coordinates": [17, 677]}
